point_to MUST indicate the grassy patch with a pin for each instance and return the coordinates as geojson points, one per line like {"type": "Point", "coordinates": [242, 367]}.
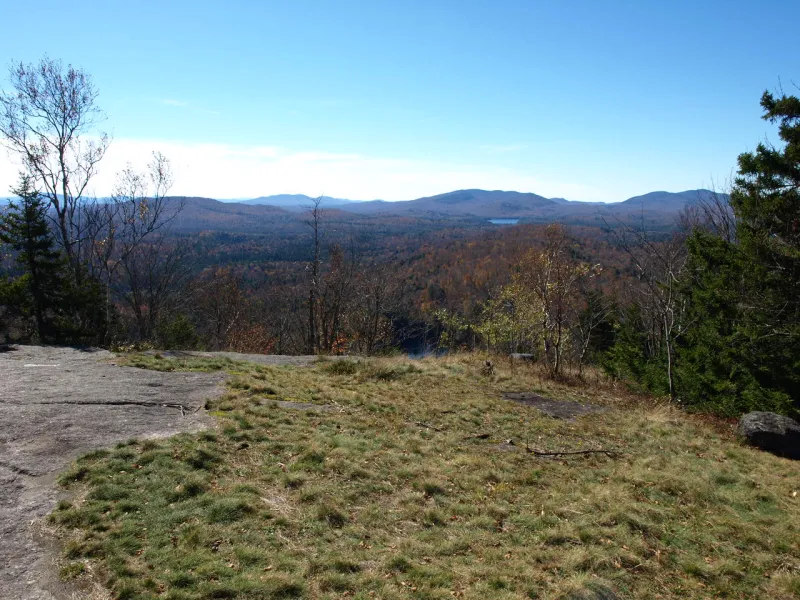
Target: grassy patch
{"type": "Point", "coordinates": [157, 362]}
{"type": "Point", "coordinates": [341, 367]}
{"type": "Point", "coordinates": [410, 489]}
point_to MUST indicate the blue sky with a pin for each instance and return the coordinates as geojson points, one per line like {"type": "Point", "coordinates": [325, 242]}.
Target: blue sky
{"type": "Point", "coordinates": [587, 100]}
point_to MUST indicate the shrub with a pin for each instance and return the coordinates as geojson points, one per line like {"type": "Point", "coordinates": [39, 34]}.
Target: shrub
{"type": "Point", "coordinates": [178, 334]}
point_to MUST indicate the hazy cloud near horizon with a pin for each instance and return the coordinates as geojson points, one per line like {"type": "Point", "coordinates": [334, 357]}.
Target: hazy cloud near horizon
{"type": "Point", "coordinates": [242, 171]}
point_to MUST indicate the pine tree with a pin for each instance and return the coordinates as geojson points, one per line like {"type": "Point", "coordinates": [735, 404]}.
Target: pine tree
{"type": "Point", "coordinates": [24, 228]}
{"type": "Point", "coordinates": [743, 352]}
{"type": "Point", "coordinates": [14, 305]}
{"type": "Point", "coordinates": [766, 201]}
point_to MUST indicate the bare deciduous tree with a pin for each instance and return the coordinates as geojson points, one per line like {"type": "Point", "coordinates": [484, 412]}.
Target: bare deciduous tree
{"type": "Point", "coordinates": [315, 217]}
{"type": "Point", "coordinates": [152, 279]}
{"type": "Point", "coordinates": [221, 302]}
{"type": "Point", "coordinates": [596, 312]}
{"type": "Point", "coordinates": [137, 210]}
{"type": "Point", "coordinates": [553, 278]}
{"type": "Point", "coordinates": [335, 298]}
{"type": "Point", "coordinates": [657, 267]}
{"type": "Point", "coordinates": [377, 292]}
{"type": "Point", "coordinates": [713, 212]}
{"type": "Point", "coordinates": [143, 264]}
{"type": "Point", "coordinates": [47, 118]}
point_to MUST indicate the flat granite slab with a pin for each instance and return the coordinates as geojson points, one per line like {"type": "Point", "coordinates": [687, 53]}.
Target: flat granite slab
{"type": "Point", "coordinates": [558, 409]}
{"type": "Point", "coordinates": [56, 404]}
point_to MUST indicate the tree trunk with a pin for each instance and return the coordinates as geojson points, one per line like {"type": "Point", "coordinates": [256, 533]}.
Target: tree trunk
{"type": "Point", "coordinates": [670, 375]}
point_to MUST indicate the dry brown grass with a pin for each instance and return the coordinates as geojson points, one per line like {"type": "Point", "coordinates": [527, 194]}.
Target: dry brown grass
{"type": "Point", "coordinates": [393, 494]}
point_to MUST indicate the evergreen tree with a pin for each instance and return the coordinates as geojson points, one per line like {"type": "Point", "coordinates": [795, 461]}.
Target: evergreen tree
{"type": "Point", "coordinates": [637, 353]}
{"type": "Point", "coordinates": [743, 350]}
{"type": "Point", "coordinates": [62, 308]}
{"type": "Point", "coordinates": [766, 201]}
{"type": "Point", "coordinates": [14, 306]}
{"type": "Point", "coordinates": [24, 228]}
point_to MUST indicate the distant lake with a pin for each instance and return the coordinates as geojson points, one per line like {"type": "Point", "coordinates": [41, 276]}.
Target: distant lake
{"type": "Point", "coordinates": [503, 221]}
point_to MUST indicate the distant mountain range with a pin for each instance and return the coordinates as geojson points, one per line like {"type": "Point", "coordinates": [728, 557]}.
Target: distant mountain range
{"type": "Point", "coordinates": [206, 214]}
{"type": "Point", "coordinates": [656, 209]}
{"type": "Point", "coordinates": [298, 202]}
{"type": "Point", "coordinates": [496, 204]}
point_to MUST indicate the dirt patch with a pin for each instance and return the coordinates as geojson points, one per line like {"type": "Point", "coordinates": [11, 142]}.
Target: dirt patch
{"type": "Point", "coordinates": [58, 403]}
{"type": "Point", "coordinates": [507, 446]}
{"type": "Point", "coordinates": [558, 409]}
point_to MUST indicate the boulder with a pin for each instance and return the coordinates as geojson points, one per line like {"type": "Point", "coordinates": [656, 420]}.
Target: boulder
{"type": "Point", "coordinates": [771, 432]}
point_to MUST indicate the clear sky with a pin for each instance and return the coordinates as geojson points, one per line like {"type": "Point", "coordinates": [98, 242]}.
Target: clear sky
{"type": "Point", "coordinates": [587, 100]}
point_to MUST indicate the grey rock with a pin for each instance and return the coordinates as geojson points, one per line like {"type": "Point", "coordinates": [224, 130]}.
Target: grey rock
{"type": "Point", "coordinates": [558, 409]}
{"type": "Point", "coordinates": [774, 433]}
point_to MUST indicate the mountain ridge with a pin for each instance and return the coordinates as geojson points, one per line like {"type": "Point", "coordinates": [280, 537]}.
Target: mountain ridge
{"type": "Point", "coordinates": [297, 202]}
{"type": "Point", "coordinates": [491, 204]}
{"type": "Point", "coordinates": [658, 208]}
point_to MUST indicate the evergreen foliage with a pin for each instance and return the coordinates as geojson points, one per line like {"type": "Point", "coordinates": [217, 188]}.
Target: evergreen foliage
{"type": "Point", "coordinates": [742, 351]}
{"type": "Point", "coordinates": [24, 228]}
{"type": "Point", "coordinates": [177, 333]}
{"type": "Point", "coordinates": [14, 308]}
{"type": "Point", "coordinates": [47, 301]}
{"type": "Point", "coordinates": [596, 324]}
{"type": "Point", "coordinates": [633, 356]}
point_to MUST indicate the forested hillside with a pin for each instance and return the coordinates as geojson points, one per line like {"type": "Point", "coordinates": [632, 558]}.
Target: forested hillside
{"type": "Point", "coordinates": [400, 301]}
{"type": "Point", "coordinates": [701, 306]}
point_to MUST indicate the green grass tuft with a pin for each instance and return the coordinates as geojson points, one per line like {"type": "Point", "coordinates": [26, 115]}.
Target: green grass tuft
{"type": "Point", "coordinates": [72, 570]}
{"type": "Point", "coordinates": [229, 510]}
{"type": "Point", "coordinates": [331, 516]}
{"type": "Point", "coordinates": [341, 367]}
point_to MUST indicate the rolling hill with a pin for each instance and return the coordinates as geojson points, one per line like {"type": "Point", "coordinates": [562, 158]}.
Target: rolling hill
{"type": "Point", "coordinates": [657, 209]}
{"type": "Point", "coordinates": [498, 204]}
{"type": "Point", "coordinates": [298, 202]}
{"type": "Point", "coordinates": [204, 214]}
{"type": "Point", "coordinates": [490, 204]}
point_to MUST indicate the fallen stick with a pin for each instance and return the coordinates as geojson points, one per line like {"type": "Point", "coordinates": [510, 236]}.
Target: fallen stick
{"type": "Point", "coordinates": [609, 453]}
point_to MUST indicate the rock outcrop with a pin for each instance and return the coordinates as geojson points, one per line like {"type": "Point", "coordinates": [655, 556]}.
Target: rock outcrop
{"type": "Point", "coordinates": [771, 432]}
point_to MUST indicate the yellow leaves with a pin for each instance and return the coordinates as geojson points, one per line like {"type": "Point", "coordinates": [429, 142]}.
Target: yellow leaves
{"type": "Point", "coordinates": [144, 209]}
